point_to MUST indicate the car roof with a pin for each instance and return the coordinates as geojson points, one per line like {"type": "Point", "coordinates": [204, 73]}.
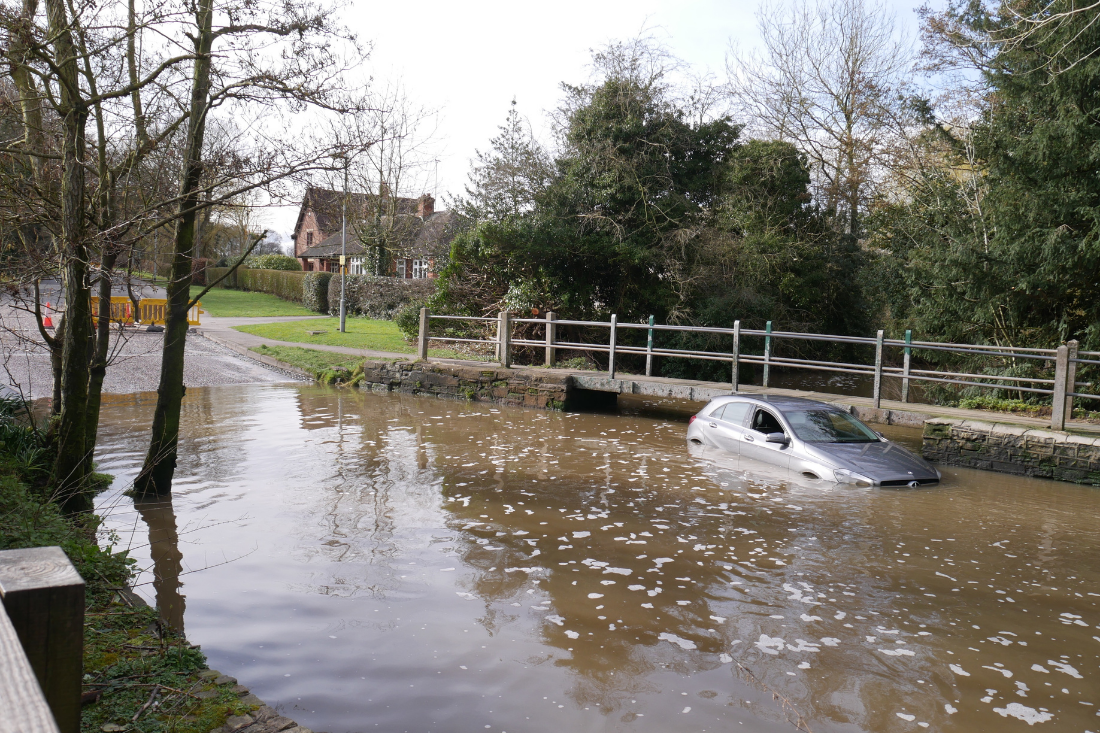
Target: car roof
{"type": "Point", "coordinates": [783, 403]}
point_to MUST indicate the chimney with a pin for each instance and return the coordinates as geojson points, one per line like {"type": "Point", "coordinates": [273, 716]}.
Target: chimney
{"type": "Point", "coordinates": [425, 206]}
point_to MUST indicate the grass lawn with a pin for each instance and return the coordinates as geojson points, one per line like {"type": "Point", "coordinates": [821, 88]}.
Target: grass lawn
{"type": "Point", "coordinates": [310, 360]}
{"type": "Point", "coordinates": [362, 333]}
{"type": "Point", "coordinates": [220, 302]}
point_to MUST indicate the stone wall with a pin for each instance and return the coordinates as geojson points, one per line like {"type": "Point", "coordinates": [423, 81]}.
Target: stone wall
{"type": "Point", "coordinates": [527, 388]}
{"type": "Point", "coordinates": [1013, 449]}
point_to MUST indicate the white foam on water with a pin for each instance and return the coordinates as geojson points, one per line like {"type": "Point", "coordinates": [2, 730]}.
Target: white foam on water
{"type": "Point", "coordinates": [1031, 716]}
{"type": "Point", "coordinates": [661, 561]}
{"type": "Point", "coordinates": [904, 716]}
{"type": "Point", "coordinates": [572, 634]}
{"type": "Point", "coordinates": [840, 615]}
{"type": "Point", "coordinates": [719, 619]}
{"type": "Point", "coordinates": [654, 592]}
{"type": "Point", "coordinates": [725, 658]}
{"type": "Point", "coordinates": [618, 571]}
{"type": "Point", "coordinates": [830, 641]}
{"type": "Point", "coordinates": [804, 646]}
{"type": "Point", "coordinates": [898, 652]}
{"type": "Point", "coordinates": [951, 709]}
{"type": "Point", "coordinates": [595, 595]}
{"type": "Point", "coordinates": [1005, 672]}
{"type": "Point", "coordinates": [1065, 669]}
{"type": "Point", "coordinates": [807, 618]}
{"type": "Point", "coordinates": [768, 645]}
{"type": "Point", "coordinates": [647, 605]}
{"type": "Point", "coordinates": [579, 535]}
{"type": "Point", "coordinates": [958, 670]}
{"type": "Point", "coordinates": [607, 582]}
{"type": "Point", "coordinates": [685, 644]}
{"type": "Point", "coordinates": [804, 665]}
{"type": "Point", "coordinates": [556, 620]}
{"type": "Point", "coordinates": [1039, 668]}
{"type": "Point", "coordinates": [467, 596]}
{"type": "Point", "coordinates": [635, 587]}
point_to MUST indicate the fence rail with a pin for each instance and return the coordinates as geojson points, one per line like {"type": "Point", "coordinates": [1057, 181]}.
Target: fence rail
{"type": "Point", "coordinates": [1062, 388]}
{"type": "Point", "coordinates": [41, 641]}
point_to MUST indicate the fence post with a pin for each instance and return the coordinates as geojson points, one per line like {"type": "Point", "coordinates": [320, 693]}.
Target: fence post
{"type": "Point", "coordinates": [43, 597]}
{"type": "Point", "coordinates": [1071, 376]}
{"type": "Point", "coordinates": [767, 353]}
{"type": "Point", "coordinates": [551, 336]}
{"type": "Point", "coordinates": [734, 381]}
{"type": "Point", "coordinates": [611, 350]}
{"type": "Point", "coordinates": [422, 344]}
{"type": "Point", "coordinates": [1058, 403]}
{"type": "Point", "coordinates": [905, 367]}
{"type": "Point", "coordinates": [504, 342]}
{"type": "Point", "coordinates": [878, 370]}
{"type": "Point", "coordinates": [649, 349]}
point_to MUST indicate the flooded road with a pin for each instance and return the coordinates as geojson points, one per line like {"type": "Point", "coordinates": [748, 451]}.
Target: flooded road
{"type": "Point", "coordinates": [394, 563]}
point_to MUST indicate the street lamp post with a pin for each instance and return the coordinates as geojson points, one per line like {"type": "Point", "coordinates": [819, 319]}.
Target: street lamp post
{"type": "Point", "coordinates": [343, 246]}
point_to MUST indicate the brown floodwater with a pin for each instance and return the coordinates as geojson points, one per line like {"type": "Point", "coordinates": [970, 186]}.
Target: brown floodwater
{"type": "Point", "coordinates": [381, 562]}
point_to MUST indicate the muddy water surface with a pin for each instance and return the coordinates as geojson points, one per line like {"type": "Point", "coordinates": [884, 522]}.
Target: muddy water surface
{"type": "Point", "coordinates": [403, 564]}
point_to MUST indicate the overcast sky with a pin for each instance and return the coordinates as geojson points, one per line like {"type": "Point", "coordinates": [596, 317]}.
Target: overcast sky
{"type": "Point", "coordinates": [468, 60]}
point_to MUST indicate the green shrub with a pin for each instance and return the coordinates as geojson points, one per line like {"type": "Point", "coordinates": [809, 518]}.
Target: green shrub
{"type": "Point", "coordinates": [381, 298]}
{"type": "Point", "coordinates": [408, 320]}
{"type": "Point", "coordinates": [315, 292]}
{"type": "Point", "coordinates": [273, 262]}
{"type": "Point", "coordinates": [213, 273]}
{"type": "Point", "coordinates": [280, 283]}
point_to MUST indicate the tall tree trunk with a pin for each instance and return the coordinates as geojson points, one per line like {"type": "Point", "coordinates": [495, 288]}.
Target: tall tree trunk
{"type": "Point", "coordinates": [74, 460]}
{"type": "Point", "coordinates": [160, 462]}
{"type": "Point", "coordinates": [98, 370]}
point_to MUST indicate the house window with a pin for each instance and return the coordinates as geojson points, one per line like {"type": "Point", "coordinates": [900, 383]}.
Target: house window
{"type": "Point", "coordinates": [309, 238]}
{"type": "Point", "coordinates": [355, 266]}
{"type": "Point", "coordinates": [401, 267]}
{"type": "Point", "coordinates": [420, 269]}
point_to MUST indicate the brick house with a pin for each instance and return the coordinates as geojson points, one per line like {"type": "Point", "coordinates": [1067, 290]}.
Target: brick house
{"type": "Point", "coordinates": [406, 237]}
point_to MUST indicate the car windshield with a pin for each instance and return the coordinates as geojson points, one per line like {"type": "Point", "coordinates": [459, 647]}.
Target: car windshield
{"type": "Point", "coordinates": [827, 426]}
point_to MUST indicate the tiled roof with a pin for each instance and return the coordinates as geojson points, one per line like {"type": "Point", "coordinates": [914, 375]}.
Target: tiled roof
{"type": "Point", "coordinates": [431, 236]}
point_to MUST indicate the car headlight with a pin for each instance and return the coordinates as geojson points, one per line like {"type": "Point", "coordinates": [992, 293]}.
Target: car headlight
{"type": "Point", "coordinates": [844, 476]}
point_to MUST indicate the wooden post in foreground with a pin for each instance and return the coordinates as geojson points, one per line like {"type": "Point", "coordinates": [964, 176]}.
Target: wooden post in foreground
{"type": "Point", "coordinates": [905, 367]}
{"type": "Point", "coordinates": [1071, 376]}
{"type": "Point", "coordinates": [767, 354]}
{"type": "Point", "coordinates": [649, 348]}
{"type": "Point", "coordinates": [611, 349]}
{"type": "Point", "coordinates": [43, 596]}
{"type": "Point", "coordinates": [877, 393]}
{"type": "Point", "coordinates": [422, 343]}
{"type": "Point", "coordinates": [1058, 403]}
{"type": "Point", "coordinates": [551, 336]}
{"type": "Point", "coordinates": [504, 344]}
{"type": "Point", "coordinates": [735, 380]}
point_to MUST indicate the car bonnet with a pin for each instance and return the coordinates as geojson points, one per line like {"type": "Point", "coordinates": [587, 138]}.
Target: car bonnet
{"type": "Point", "coordinates": [878, 460]}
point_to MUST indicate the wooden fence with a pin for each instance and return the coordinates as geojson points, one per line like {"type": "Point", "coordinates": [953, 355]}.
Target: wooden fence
{"type": "Point", "coordinates": [1062, 387]}
{"type": "Point", "coordinates": [41, 641]}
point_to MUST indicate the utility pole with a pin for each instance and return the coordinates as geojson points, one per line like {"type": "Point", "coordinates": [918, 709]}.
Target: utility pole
{"type": "Point", "coordinates": [343, 245]}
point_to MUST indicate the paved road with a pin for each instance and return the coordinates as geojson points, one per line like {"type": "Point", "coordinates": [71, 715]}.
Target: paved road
{"type": "Point", "coordinates": [134, 365]}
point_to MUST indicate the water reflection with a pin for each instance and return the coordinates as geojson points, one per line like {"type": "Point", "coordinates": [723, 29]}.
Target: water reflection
{"type": "Point", "coordinates": [424, 562]}
{"type": "Point", "coordinates": [164, 550]}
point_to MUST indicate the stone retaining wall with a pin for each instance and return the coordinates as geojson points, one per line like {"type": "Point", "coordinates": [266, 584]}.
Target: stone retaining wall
{"type": "Point", "coordinates": [1013, 449]}
{"type": "Point", "coordinates": [527, 388]}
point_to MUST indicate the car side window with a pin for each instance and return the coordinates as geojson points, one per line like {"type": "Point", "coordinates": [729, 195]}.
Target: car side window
{"type": "Point", "coordinates": [736, 412]}
{"type": "Point", "coordinates": [765, 422]}
{"type": "Point", "coordinates": [717, 412]}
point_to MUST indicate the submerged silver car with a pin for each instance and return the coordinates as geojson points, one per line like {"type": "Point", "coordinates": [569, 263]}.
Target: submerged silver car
{"type": "Point", "coordinates": [814, 439]}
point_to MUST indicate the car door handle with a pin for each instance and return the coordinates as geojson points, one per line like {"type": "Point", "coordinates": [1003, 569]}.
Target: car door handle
{"type": "Point", "coordinates": [749, 438]}
{"type": "Point", "coordinates": [713, 425]}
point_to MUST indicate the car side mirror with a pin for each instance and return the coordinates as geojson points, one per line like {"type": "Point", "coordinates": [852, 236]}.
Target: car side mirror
{"type": "Point", "coordinates": [780, 438]}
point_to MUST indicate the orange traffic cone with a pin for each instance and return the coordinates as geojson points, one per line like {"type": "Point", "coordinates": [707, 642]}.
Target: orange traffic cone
{"type": "Point", "coordinates": [47, 321]}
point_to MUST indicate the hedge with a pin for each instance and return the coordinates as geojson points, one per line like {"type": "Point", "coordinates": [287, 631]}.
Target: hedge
{"type": "Point", "coordinates": [379, 297]}
{"type": "Point", "coordinates": [315, 292]}
{"type": "Point", "coordinates": [273, 262]}
{"type": "Point", "coordinates": [285, 284]}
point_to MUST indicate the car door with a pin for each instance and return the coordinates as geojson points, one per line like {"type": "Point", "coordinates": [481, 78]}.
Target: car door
{"type": "Point", "coordinates": [725, 425]}
{"type": "Point", "coordinates": [754, 440]}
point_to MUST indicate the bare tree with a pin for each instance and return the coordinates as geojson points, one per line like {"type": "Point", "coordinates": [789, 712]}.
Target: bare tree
{"type": "Point", "coordinates": [827, 81]}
